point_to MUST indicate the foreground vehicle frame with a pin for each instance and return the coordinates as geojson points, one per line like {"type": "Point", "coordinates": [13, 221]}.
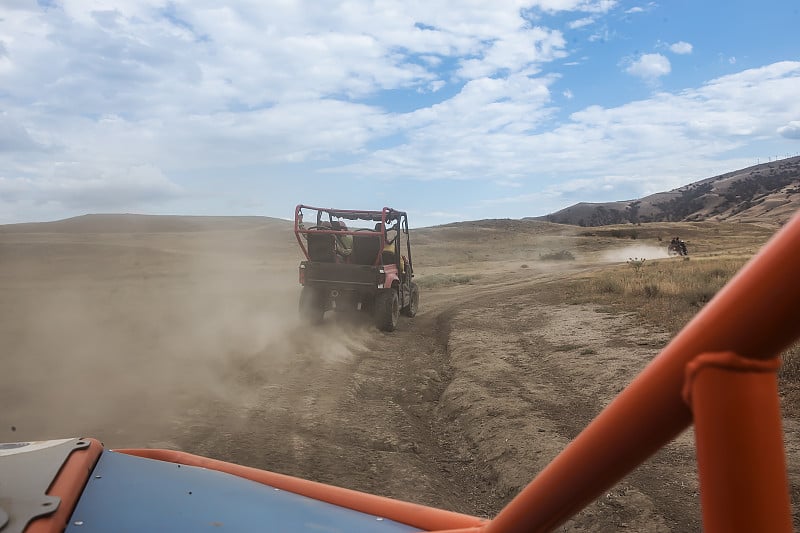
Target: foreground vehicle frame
{"type": "Point", "coordinates": [718, 373]}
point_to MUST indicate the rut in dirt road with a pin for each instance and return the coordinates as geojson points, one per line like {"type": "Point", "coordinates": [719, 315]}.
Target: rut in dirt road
{"type": "Point", "coordinates": [366, 422]}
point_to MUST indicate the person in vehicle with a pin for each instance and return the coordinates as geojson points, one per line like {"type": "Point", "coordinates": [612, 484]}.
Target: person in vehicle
{"type": "Point", "coordinates": [344, 242]}
{"type": "Point", "coordinates": [678, 246]}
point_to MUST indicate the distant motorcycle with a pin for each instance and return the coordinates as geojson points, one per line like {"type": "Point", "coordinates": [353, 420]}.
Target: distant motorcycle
{"type": "Point", "coordinates": [677, 247]}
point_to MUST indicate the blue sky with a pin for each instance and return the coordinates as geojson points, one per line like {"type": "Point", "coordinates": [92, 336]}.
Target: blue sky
{"type": "Point", "coordinates": [449, 110]}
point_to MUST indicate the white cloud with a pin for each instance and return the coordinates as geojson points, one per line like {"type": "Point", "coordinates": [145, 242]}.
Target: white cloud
{"type": "Point", "coordinates": [131, 103]}
{"type": "Point", "coordinates": [475, 133]}
{"type": "Point", "coordinates": [790, 130]}
{"type": "Point", "coordinates": [508, 183]}
{"type": "Point", "coordinates": [586, 6]}
{"type": "Point", "coordinates": [78, 186]}
{"type": "Point", "coordinates": [621, 152]}
{"type": "Point", "coordinates": [604, 34]}
{"type": "Point", "coordinates": [681, 47]}
{"type": "Point", "coordinates": [649, 66]}
{"type": "Point", "coordinates": [641, 9]}
{"type": "Point", "coordinates": [436, 85]}
{"type": "Point", "coordinates": [598, 6]}
{"type": "Point", "coordinates": [524, 49]}
{"type": "Point", "coordinates": [580, 23]}
{"type": "Point", "coordinates": [14, 137]}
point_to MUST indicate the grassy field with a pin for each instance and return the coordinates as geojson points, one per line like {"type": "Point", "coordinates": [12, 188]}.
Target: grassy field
{"type": "Point", "coordinates": [668, 293]}
{"type": "Point", "coordinates": [664, 292]}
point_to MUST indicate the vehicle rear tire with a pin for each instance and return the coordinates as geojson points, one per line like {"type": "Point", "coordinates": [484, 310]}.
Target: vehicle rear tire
{"type": "Point", "coordinates": [312, 308]}
{"type": "Point", "coordinates": [387, 309]}
{"type": "Point", "coordinates": [411, 309]}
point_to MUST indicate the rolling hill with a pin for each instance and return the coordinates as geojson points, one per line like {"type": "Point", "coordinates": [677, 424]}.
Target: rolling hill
{"type": "Point", "coordinates": [767, 192]}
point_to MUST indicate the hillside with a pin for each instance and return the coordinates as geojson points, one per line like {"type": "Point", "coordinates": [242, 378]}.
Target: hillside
{"type": "Point", "coordinates": [769, 192]}
{"type": "Point", "coordinates": [131, 223]}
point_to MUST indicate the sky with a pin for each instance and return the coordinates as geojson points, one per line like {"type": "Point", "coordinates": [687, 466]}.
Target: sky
{"type": "Point", "coordinates": [449, 110]}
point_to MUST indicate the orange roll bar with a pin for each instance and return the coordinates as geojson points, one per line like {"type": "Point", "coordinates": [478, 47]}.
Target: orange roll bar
{"type": "Point", "coordinates": [756, 316]}
{"type": "Point", "coordinates": [427, 518]}
{"type": "Point", "coordinates": [740, 456]}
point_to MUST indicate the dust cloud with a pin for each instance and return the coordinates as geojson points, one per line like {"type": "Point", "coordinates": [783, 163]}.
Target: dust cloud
{"type": "Point", "coordinates": [120, 342]}
{"type": "Point", "coordinates": [639, 251]}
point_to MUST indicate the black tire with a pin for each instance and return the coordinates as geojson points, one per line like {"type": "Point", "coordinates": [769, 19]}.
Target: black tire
{"type": "Point", "coordinates": [387, 310]}
{"type": "Point", "coordinates": [312, 309]}
{"type": "Point", "coordinates": [411, 309]}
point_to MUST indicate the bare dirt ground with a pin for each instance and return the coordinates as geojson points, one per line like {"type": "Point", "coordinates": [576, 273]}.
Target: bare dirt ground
{"type": "Point", "coordinates": [182, 333]}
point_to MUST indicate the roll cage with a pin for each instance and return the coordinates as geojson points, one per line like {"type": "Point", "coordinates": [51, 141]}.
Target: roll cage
{"type": "Point", "coordinates": [328, 221]}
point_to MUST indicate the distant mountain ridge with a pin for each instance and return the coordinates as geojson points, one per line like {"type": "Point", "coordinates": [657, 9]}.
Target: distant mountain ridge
{"type": "Point", "coordinates": [768, 192]}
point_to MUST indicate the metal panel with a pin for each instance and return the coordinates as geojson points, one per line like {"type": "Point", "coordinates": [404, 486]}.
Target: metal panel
{"type": "Point", "coordinates": [132, 494]}
{"type": "Point", "coordinates": [342, 275]}
{"type": "Point", "coordinates": [27, 469]}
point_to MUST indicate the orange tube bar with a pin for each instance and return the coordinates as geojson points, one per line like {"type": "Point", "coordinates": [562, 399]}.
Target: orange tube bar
{"type": "Point", "coordinates": [756, 315]}
{"type": "Point", "coordinates": [412, 514]}
{"type": "Point", "coordinates": [740, 456]}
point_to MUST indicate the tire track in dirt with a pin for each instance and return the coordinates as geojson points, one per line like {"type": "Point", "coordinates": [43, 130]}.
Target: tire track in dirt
{"type": "Point", "coordinates": [530, 355]}
{"type": "Point", "coordinates": [363, 422]}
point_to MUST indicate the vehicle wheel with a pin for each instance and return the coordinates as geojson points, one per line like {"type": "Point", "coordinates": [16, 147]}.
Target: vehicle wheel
{"type": "Point", "coordinates": [387, 309]}
{"type": "Point", "coordinates": [311, 306]}
{"type": "Point", "coordinates": [411, 309]}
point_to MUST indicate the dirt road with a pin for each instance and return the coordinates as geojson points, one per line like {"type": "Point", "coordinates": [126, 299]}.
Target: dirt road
{"type": "Point", "coordinates": [457, 409]}
{"type": "Point", "coordinates": [186, 336]}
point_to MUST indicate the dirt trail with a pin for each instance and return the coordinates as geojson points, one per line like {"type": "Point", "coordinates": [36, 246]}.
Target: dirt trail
{"type": "Point", "coordinates": [459, 408]}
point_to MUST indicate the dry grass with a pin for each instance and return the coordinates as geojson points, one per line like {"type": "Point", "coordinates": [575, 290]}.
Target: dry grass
{"type": "Point", "coordinates": [431, 281]}
{"type": "Point", "coordinates": [561, 255]}
{"type": "Point", "coordinates": [668, 293]}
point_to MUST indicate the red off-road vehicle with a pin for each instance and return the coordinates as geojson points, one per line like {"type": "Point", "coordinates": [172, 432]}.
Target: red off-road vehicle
{"type": "Point", "coordinates": [355, 261]}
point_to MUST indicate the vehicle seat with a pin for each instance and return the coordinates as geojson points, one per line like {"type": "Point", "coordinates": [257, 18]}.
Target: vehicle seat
{"type": "Point", "coordinates": [321, 247]}
{"type": "Point", "coordinates": [365, 249]}
{"type": "Point", "coordinates": [388, 256]}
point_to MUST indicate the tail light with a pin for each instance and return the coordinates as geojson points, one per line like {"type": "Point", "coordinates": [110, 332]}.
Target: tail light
{"type": "Point", "coordinates": [302, 274]}
{"type": "Point", "coordinates": [381, 278]}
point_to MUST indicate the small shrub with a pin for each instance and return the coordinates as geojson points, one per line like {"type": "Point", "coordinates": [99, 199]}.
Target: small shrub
{"type": "Point", "coordinates": [563, 255]}
{"type": "Point", "coordinates": [588, 351]}
{"type": "Point", "coordinates": [624, 233]}
{"type": "Point", "coordinates": [523, 266]}
{"type": "Point", "coordinates": [446, 280]}
{"type": "Point", "coordinates": [715, 275]}
{"type": "Point", "coordinates": [636, 263]}
{"type": "Point", "coordinates": [700, 296]}
{"type": "Point", "coordinates": [609, 286]}
{"type": "Point", "coordinates": [566, 347]}
{"type": "Point", "coordinates": [651, 290]}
